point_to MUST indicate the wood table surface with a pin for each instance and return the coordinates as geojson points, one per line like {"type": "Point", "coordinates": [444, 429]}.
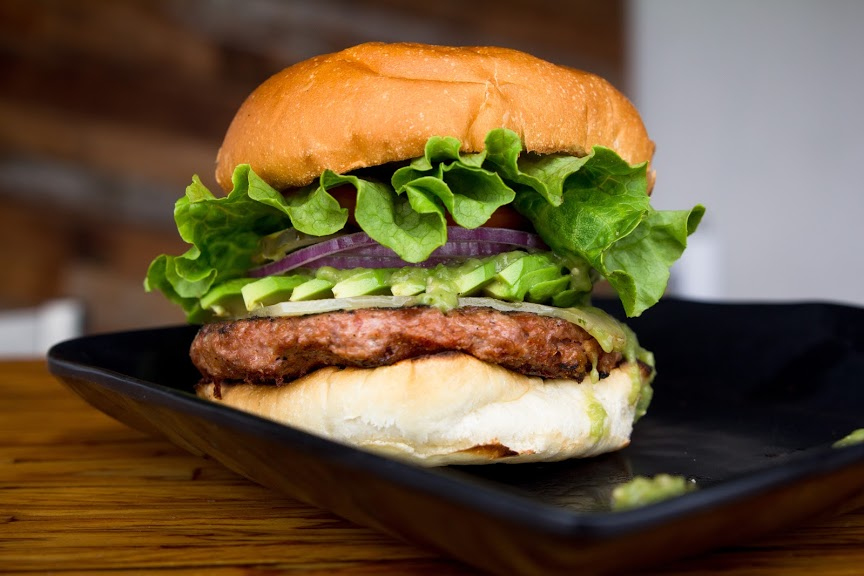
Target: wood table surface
{"type": "Point", "coordinates": [83, 494]}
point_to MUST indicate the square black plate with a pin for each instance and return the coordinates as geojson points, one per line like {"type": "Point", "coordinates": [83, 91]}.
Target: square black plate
{"type": "Point", "coordinates": [748, 402]}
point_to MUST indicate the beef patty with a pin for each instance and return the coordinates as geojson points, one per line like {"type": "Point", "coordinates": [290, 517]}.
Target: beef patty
{"type": "Point", "coordinates": [279, 349]}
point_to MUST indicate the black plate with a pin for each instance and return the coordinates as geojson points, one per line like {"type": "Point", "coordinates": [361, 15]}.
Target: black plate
{"type": "Point", "coordinates": [748, 401]}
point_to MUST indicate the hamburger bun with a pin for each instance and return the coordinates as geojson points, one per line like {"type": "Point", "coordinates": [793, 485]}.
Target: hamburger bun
{"type": "Point", "coordinates": [378, 103]}
{"type": "Point", "coordinates": [449, 409]}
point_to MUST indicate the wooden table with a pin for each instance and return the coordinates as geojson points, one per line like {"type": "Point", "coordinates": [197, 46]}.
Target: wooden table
{"type": "Point", "coordinates": [81, 493]}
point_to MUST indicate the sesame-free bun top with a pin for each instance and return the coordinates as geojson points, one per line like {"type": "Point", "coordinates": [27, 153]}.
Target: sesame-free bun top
{"type": "Point", "coordinates": [377, 103]}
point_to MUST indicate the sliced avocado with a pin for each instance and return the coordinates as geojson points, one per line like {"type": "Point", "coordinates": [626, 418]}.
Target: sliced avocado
{"type": "Point", "coordinates": [407, 288]}
{"type": "Point", "coordinates": [408, 281]}
{"type": "Point", "coordinates": [503, 284]}
{"type": "Point", "coordinates": [546, 290]}
{"type": "Point", "coordinates": [271, 290]}
{"type": "Point", "coordinates": [539, 277]}
{"type": "Point", "coordinates": [513, 272]}
{"type": "Point", "coordinates": [314, 289]}
{"type": "Point", "coordinates": [500, 290]}
{"type": "Point", "coordinates": [226, 299]}
{"type": "Point", "coordinates": [514, 281]}
{"type": "Point", "coordinates": [471, 278]}
{"type": "Point", "coordinates": [570, 298]}
{"type": "Point", "coordinates": [531, 279]}
{"type": "Point", "coordinates": [369, 282]}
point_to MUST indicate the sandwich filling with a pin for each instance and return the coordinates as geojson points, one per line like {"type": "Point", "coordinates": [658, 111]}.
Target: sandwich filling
{"type": "Point", "coordinates": [375, 280]}
{"type": "Point", "coordinates": [287, 283]}
{"type": "Point", "coordinates": [591, 212]}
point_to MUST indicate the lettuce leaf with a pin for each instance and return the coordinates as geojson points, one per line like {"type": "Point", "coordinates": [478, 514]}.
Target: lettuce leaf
{"type": "Point", "coordinates": [606, 218]}
{"type": "Point", "coordinates": [593, 208]}
{"type": "Point", "coordinates": [411, 225]}
{"type": "Point", "coordinates": [225, 233]}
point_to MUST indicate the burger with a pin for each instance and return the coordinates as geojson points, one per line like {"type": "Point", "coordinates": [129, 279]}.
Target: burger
{"type": "Point", "coordinates": [404, 256]}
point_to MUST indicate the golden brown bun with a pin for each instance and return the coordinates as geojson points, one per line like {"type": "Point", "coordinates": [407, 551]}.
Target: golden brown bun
{"type": "Point", "coordinates": [377, 103]}
{"type": "Point", "coordinates": [450, 409]}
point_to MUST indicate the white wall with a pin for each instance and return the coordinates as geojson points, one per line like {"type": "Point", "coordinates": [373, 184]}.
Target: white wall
{"type": "Point", "coordinates": [757, 109]}
{"type": "Point", "coordinates": [30, 332]}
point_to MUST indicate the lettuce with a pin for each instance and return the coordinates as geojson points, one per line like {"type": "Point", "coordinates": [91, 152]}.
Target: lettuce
{"type": "Point", "coordinates": [225, 234]}
{"type": "Point", "coordinates": [593, 208]}
{"type": "Point", "coordinates": [604, 216]}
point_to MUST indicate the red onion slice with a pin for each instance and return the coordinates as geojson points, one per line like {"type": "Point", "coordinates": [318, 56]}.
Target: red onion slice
{"type": "Point", "coordinates": [358, 250]}
{"type": "Point", "coordinates": [378, 256]}
{"type": "Point", "coordinates": [314, 252]}
{"type": "Point", "coordinates": [497, 235]}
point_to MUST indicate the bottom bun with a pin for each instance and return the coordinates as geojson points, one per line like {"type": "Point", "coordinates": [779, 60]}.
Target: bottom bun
{"type": "Point", "coordinates": [450, 409]}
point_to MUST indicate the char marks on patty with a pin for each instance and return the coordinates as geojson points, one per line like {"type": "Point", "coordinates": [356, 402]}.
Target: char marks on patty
{"type": "Point", "coordinates": [280, 349]}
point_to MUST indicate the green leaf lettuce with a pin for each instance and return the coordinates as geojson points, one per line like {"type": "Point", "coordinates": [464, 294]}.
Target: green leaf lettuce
{"type": "Point", "coordinates": [593, 208]}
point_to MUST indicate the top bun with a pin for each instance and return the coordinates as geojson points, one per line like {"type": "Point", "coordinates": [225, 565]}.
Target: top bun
{"type": "Point", "coordinates": [377, 103]}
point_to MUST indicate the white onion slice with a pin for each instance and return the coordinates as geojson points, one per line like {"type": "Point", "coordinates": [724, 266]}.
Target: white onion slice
{"type": "Point", "coordinates": [307, 307]}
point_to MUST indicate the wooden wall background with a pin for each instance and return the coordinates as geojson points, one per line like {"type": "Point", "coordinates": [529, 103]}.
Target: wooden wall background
{"type": "Point", "coordinates": [108, 108]}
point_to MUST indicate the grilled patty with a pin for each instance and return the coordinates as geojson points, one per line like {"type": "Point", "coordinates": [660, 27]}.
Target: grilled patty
{"type": "Point", "coordinates": [280, 349]}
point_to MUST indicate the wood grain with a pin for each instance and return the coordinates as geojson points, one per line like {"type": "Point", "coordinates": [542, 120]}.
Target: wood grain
{"type": "Point", "coordinates": [83, 494]}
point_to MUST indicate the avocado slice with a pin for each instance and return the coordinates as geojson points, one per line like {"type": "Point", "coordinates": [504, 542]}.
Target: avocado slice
{"type": "Point", "coordinates": [470, 280]}
{"type": "Point", "coordinates": [227, 299]}
{"type": "Point", "coordinates": [368, 282]}
{"type": "Point", "coordinates": [313, 289]}
{"type": "Point", "coordinates": [409, 281]}
{"type": "Point", "coordinates": [514, 281]}
{"type": "Point", "coordinates": [271, 290]}
{"type": "Point", "coordinates": [545, 290]}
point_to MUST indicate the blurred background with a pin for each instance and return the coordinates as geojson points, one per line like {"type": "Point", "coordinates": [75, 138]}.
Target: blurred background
{"type": "Point", "coordinates": [108, 108]}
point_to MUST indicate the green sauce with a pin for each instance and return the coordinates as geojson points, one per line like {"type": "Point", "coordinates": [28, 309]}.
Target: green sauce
{"type": "Point", "coordinates": [856, 437]}
{"type": "Point", "coordinates": [598, 416]}
{"type": "Point", "coordinates": [641, 491]}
